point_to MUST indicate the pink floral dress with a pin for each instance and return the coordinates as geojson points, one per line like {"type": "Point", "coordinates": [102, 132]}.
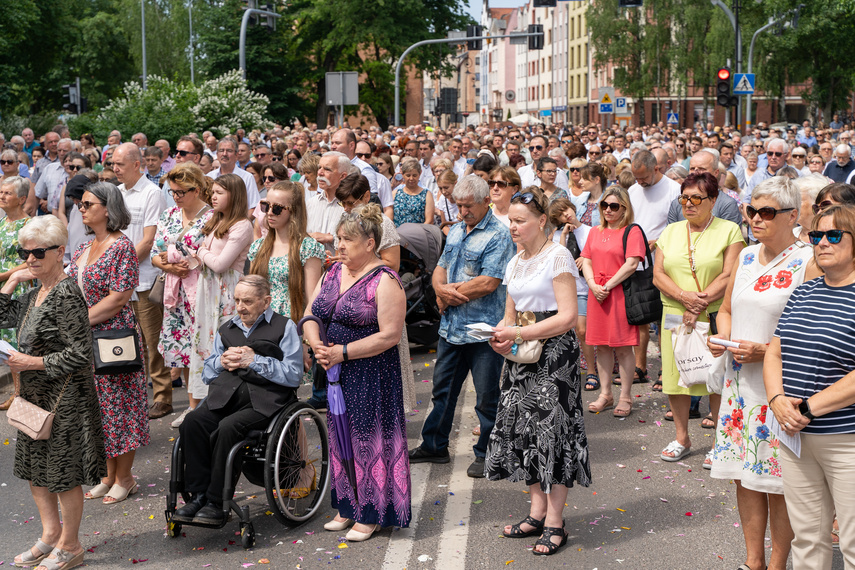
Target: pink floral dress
{"type": "Point", "coordinates": [745, 449]}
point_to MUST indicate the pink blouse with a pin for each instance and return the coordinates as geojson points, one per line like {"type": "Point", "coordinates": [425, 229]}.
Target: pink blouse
{"type": "Point", "coordinates": [228, 252]}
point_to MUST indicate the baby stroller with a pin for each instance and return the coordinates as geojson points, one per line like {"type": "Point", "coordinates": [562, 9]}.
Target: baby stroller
{"type": "Point", "coordinates": [421, 247]}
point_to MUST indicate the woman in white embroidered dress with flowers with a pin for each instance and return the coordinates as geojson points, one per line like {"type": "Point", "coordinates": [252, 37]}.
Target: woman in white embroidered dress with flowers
{"type": "Point", "coordinates": [760, 284]}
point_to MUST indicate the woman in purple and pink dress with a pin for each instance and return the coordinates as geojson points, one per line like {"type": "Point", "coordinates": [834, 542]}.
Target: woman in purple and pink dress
{"type": "Point", "coordinates": [362, 304]}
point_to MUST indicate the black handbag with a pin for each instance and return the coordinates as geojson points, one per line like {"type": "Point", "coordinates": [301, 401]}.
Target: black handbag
{"type": "Point", "coordinates": [643, 300]}
{"type": "Point", "coordinates": [116, 352]}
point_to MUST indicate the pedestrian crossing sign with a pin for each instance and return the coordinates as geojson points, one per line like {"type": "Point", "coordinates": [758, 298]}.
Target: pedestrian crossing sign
{"type": "Point", "coordinates": [673, 118]}
{"type": "Point", "coordinates": [743, 83]}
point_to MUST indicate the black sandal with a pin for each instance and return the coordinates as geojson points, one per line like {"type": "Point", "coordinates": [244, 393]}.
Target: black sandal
{"type": "Point", "coordinates": [517, 532]}
{"type": "Point", "coordinates": [657, 385]}
{"type": "Point", "coordinates": [546, 540]}
{"type": "Point", "coordinates": [592, 382]}
{"type": "Point", "coordinates": [641, 376]}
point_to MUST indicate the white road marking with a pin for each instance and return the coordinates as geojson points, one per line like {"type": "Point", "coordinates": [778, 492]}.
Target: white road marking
{"type": "Point", "coordinates": [401, 544]}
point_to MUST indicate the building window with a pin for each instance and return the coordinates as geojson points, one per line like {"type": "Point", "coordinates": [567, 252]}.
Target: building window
{"type": "Point", "coordinates": [550, 90]}
{"type": "Point", "coordinates": [477, 61]}
{"type": "Point", "coordinates": [571, 86]}
{"type": "Point", "coordinates": [477, 91]}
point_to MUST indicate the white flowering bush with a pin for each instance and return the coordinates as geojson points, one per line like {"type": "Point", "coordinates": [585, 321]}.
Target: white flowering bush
{"type": "Point", "coordinates": [169, 110]}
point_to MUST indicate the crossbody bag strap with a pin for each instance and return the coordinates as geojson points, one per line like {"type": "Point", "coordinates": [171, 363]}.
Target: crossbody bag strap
{"type": "Point", "coordinates": [689, 250]}
{"type": "Point", "coordinates": [198, 215]}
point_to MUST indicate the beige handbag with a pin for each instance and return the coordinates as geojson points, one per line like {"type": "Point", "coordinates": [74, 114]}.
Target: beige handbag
{"type": "Point", "coordinates": [527, 352]}
{"type": "Point", "coordinates": [27, 417]}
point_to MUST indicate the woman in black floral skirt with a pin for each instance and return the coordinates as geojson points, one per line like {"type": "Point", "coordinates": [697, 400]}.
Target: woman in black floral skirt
{"type": "Point", "coordinates": [539, 435]}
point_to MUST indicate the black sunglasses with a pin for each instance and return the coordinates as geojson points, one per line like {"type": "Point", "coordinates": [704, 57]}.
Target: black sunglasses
{"type": "Point", "coordinates": [766, 212]}
{"type": "Point", "coordinates": [363, 155]}
{"type": "Point", "coordinates": [695, 200]}
{"type": "Point", "coordinates": [7, 162]}
{"type": "Point", "coordinates": [276, 208]}
{"type": "Point", "coordinates": [536, 147]}
{"type": "Point", "coordinates": [774, 153]}
{"type": "Point", "coordinates": [83, 206]}
{"type": "Point", "coordinates": [526, 198]}
{"type": "Point", "coordinates": [183, 153]}
{"type": "Point", "coordinates": [610, 206]}
{"type": "Point", "coordinates": [269, 178]}
{"type": "Point", "coordinates": [499, 183]}
{"type": "Point", "coordinates": [74, 167]}
{"type": "Point", "coordinates": [833, 236]}
{"type": "Point", "coordinates": [39, 252]}
{"type": "Point", "coordinates": [817, 208]}
{"type": "Point", "coordinates": [575, 169]}
{"type": "Point", "coordinates": [276, 158]}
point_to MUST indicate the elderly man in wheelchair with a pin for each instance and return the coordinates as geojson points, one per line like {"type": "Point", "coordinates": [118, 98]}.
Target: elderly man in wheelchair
{"type": "Point", "coordinates": [254, 371]}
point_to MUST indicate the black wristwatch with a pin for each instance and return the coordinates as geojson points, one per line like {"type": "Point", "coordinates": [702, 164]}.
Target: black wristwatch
{"type": "Point", "coordinates": [804, 409]}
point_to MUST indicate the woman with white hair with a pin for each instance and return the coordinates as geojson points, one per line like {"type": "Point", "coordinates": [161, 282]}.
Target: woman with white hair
{"type": "Point", "coordinates": [8, 164]}
{"type": "Point", "coordinates": [809, 186]}
{"type": "Point", "coordinates": [760, 285]}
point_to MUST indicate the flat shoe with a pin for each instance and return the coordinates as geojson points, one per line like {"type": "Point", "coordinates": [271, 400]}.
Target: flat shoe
{"type": "Point", "coordinates": [97, 491]}
{"type": "Point", "coordinates": [27, 558]}
{"type": "Point", "coordinates": [62, 560]}
{"type": "Point", "coordinates": [595, 407]}
{"type": "Point", "coordinates": [118, 494]}
{"type": "Point", "coordinates": [678, 450]}
{"type": "Point", "coordinates": [356, 536]}
{"type": "Point", "coordinates": [335, 525]}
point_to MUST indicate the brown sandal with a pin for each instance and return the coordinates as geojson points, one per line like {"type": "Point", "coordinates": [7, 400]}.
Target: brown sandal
{"type": "Point", "coordinates": [596, 407]}
{"type": "Point", "coordinates": [623, 412]}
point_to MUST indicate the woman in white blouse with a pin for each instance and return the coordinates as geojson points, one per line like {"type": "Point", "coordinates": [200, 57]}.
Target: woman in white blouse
{"type": "Point", "coordinates": [539, 435]}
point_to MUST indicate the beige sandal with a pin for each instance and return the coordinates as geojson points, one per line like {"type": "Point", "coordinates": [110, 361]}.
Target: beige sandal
{"type": "Point", "coordinates": [97, 491]}
{"type": "Point", "coordinates": [118, 494]}
{"type": "Point", "coordinates": [596, 407]}
{"type": "Point", "coordinates": [27, 558]}
{"type": "Point", "coordinates": [623, 409]}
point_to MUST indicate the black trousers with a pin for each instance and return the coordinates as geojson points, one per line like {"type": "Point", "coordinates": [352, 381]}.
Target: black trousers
{"type": "Point", "coordinates": [205, 462]}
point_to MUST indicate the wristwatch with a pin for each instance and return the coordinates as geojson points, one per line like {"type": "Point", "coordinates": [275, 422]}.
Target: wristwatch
{"type": "Point", "coordinates": [804, 409]}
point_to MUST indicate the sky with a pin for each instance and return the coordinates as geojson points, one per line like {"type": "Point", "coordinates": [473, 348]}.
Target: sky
{"type": "Point", "coordinates": [475, 6]}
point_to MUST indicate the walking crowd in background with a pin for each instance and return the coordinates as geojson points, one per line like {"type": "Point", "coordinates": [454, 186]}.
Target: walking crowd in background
{"type": "Point", "coordinates": [576, 247]}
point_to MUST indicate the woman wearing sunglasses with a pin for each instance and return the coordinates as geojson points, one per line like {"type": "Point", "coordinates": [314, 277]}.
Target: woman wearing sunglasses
{"type": "Point", "coordinates": [606, 265]}
{"type": "Point", "coordinates": [576, 189]}
{"type": "Point", "coordinates": [807, 375]}
{"type": "Point", "coordinates": [504, 182]}
{"type": "Point", "coordinates": [8, 164]}
{"type": "Point", "coordinates": [760, 284]}
{"type": "Point", "coordinates": [55, 348]}
{"type": "Point", "coordinates": [539, 436]}
{"type": "Point", "coordinates": [816, 163]}
{"type": "Point", "coordinates": [694, 259]}
{"type": "Point", "coordinates": [179, 232]}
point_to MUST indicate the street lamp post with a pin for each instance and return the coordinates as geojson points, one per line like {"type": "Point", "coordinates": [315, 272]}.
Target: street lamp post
{"type": "Point", "coordinates": [243, 25]}
{"type": "Point", "coordinates": [144, 69]}
{"type": "Point", "coordinates": [192, 57]}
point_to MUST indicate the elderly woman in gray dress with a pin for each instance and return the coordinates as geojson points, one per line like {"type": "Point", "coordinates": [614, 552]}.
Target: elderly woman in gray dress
{"type": "Point", "coordinates": [55, 367]}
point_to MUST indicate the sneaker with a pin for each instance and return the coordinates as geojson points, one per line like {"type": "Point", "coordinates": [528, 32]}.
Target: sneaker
{"type": "Point", "coordinates": [476, 470]}
{"type": "Point", "coordinates": [176, 423]}
{"type": "Point", "coordinates": [421, 455]}
{"type": "Point", "coordinates": [320, 406]}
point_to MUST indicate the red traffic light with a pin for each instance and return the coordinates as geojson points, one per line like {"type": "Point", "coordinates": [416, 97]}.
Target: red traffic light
{"type": "Point", "coordinates": [724, 74]}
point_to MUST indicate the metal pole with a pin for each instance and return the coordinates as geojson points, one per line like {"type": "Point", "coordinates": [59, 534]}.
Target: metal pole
{"type": "Point", "coordinates": [144, 69]}
{"type": "Point", "coordinates": [750, 67]}
{"type": "Point", "coordinates": [192, 55]}
{"type": "Point", "coordinates": [244, 22]}
{"type": "Point", "coordinates": [419, 44]}
{"type": "Point", "coordinates": [737, 33]}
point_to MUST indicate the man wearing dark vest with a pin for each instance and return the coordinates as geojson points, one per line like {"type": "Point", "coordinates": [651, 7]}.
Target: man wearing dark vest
{"type": "Point", "coordinates": [253, 372]}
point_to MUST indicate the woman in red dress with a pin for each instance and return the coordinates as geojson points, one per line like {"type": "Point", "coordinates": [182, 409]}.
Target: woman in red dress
{"type": "Point", "coordinates": [605, 266]}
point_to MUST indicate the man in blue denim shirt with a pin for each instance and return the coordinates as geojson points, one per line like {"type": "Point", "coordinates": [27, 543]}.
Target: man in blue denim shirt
{"type": "Point", "coordinates": [469, 290]}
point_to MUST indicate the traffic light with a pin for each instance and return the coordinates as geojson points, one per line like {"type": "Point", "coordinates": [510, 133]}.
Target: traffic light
{"type": "Point", "coordinates": [72, 98]}
{"type": "Point", "coordinates": [630, 3]}
{"type": "Point", "coordinates": [449, 101]}
{"type": "Point", "coordinates": [545, 3]}
{"type": "Point", "coordinates": [473, 31]}
{"type": "Point", "coordinates": [535, 42]}
{"type": "Point", "coordinates": [722, 87]}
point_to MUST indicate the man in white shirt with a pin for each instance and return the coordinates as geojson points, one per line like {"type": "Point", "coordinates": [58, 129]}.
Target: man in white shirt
{"type": "Point", "coordinates": [145, 202]}
{"type": "Point", "coordinates": [620, 152]}
{"type": "Point", "coordinates": [227, 156]}
{"type": "Point", "coordinates": [344, 141]}
{"type": "Point", "coordinates": [528, 173]}
{"type": "Point", "coordinates": [323, 210]}
{"type": "Point", "coordinates": [456, 148]}
{"type": "Point", "coordinates": [650, 196]}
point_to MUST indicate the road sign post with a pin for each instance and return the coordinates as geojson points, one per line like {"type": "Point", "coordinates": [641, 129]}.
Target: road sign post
{"type": "Point", "coordinates": [342, 89]}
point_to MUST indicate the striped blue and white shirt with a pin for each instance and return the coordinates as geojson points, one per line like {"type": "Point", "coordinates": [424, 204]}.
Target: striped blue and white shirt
{"type": "Point", "coordinates": [817, 329]}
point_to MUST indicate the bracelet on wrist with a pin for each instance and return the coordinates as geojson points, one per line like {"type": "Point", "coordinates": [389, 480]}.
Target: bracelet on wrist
{"type": "Point", "coordinates": [344, 352]}
{"type": "Point", "coordinates": [773, 398]}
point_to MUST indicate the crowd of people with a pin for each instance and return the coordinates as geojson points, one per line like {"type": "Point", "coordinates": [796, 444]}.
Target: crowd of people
{"type": "Point", "coordinates": [201, 261]}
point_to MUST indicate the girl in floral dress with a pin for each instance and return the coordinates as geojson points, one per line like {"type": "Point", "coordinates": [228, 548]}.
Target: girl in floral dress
{"type": "Point", "coordinates": [228, 235]}
{"type": "Point", "coordinates": [413, 204]}
{"type": "Point", "coordinates": [182, 224]}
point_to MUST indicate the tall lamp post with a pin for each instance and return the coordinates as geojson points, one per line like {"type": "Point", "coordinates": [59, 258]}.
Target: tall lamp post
{"type": "Point", "coordinates": [144, 71]}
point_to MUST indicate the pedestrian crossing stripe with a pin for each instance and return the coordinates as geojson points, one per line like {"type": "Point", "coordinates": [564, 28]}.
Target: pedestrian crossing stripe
{"type": "Point", "coordinates": [606, 99]}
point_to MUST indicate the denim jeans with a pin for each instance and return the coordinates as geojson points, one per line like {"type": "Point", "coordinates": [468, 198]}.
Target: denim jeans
{"type": "Point", "coordinates": [453, 363]}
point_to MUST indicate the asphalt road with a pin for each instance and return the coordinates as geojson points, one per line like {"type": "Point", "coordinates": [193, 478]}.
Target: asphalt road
{"type": "Point", "coordinates": [640, 513]}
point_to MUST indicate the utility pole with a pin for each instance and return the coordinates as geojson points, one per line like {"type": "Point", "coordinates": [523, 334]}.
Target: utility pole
{"type": "Point", "coordinates": [144, 69]}
{"type": "Point", "coordinates": [192, 56]}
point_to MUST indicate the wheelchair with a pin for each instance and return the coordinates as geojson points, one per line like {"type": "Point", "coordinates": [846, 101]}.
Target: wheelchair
{"type": "Point", "coordinates": [289, 459]}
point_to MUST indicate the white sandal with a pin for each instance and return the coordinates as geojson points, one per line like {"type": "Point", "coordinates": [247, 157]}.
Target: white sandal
{"type": "Point", "coordinates": [678, 450]}
{"type": "Point", "coordinates": [27, 558]}
{"type": "Point", "coordinates": [709, 456]}
{"type": "Point", "coordinates": [97, 491]}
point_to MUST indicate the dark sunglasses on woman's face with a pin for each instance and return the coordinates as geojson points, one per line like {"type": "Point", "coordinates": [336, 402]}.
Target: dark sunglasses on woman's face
{"type": "Point", "coordinates": [83, 206]}
{"type": "Point", "coordinates": [575, 169]}
{"type": "Point", "coordinates": [277, 158]}
{"type": "Point", "coordinates": [526, 198]}
{"type": "Point", "coordinates": [499, 183]}
{"type": "Point", "coordinates": [74, 167]}
{"type": "Point", "coordinates": [614, 207]}
{"type": "Point", "coordinates": [695, 200]}
{"type": "Point", "coordinates": [39, 252]}
{"type": "Point", "coordinates": [269, 178]}
{"type": "Point", "coordinates": [7, 162]}
{"type": "Point", "coordinates": [766, 212]}
{"type": "Point", "coordinates": [833, 236]}
{"type": "Point", "coordinates": [817, 208]}
{"type": "Point", "coordinates": [276, 208]}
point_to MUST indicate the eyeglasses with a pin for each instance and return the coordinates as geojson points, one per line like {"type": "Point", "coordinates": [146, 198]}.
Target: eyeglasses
{"type": "Point", "coordinates": [567, 141]}
{"type": "Point", "coordinates": [74, 167]}
{"type": "Point", "coordinates": [817, 208]}
{"type": "Point", "coordinates": [575, 169]}
{"type": "Point", "coordinates": [833, 236]}
{"type": "Point", "coordinates": [614, 207]}
{"type": "Point", "coordinates": [260, 155]}
{"type": "Point", "coordinates": [499, 183]}
{"type": "Point", "coordinates": [39, 252]}
{"type": "Point", "coordinates": [83, 206]}
{"type": "Point", "coordinates": [815, 162]}
{"type": "Point", "coordinates": [363, 155]}
{"type": "Point", "coordinates": [183, 153]}
{"type": "Point", "coordinates": [695, 200]}
{"type": "Point", "coordinates": [799, 156]}
{"type": "Point", "coordinates": [7, 162]}
{"type": "Point", "coordinates": [679, 145]}
{"type": "Point", "coordinates": [269, 178]}
{"type": "Point", "coordinates": [535, 147]}
{"type": "Point", "coordinates": [276, 158]}
{"type": "Point", "coordinates": [594, 153]}
{"type": "Point", "coordinates": [526, 198]}
{"type": "Point", "coordinates": [766, 212]}
{"type": "Point", "coordinates": [179, 193]}
{"type": "Point", "coordinates": [774, 153]}
{"type": "Point", "coordinates": [550, 171]}
{"type": "Point", "coordinates": [276, 208]}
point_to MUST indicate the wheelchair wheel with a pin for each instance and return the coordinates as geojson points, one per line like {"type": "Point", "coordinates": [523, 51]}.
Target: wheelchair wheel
{"type": "Point", "coordinates": [296, 474]}
{"type": "Point", "coordinates": [247, 535]}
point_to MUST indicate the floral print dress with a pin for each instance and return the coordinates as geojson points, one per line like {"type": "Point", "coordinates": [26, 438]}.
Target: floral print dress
{"type": "Point", "coordinates": [9, 259]}
{"type": "Point", "coordinates": [277, 271]}
{"type": "Point", "coordinates": [176, 335]}
{"type": "Point", "coordinates": [409, 208]}
{"type": "Point", "coordinates": [745, 449]}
